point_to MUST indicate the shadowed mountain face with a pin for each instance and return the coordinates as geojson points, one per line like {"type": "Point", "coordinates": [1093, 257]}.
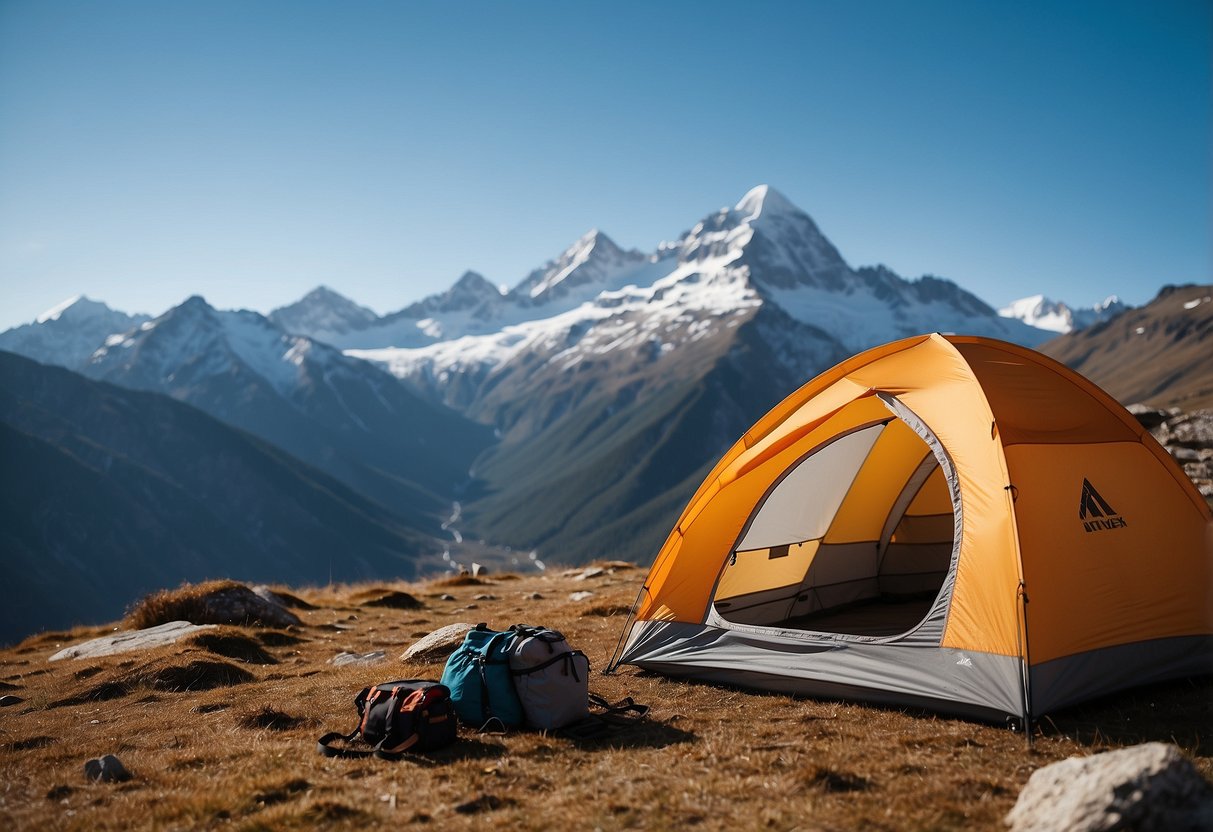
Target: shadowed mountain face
{"type": "Point", "coordinates": [1159, 354]}
{"type": "Point", "coordinates": [108, 493]}
{"type": "Point", "coordinates": [343, 415]}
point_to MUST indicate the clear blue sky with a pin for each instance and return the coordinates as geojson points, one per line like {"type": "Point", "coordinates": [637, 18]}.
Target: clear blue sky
{"type": "Point", "coordinates": [248, 151]}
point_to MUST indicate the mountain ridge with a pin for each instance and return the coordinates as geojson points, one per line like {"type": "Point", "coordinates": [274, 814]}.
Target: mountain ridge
{"type": "Point", "coordinates": [108, 492]}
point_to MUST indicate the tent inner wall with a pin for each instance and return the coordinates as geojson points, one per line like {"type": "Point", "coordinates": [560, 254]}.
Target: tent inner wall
{"type": "Point", "coordinates": [856, 538]}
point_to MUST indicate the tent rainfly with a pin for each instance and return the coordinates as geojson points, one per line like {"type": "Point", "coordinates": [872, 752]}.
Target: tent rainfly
{"type": "Point", "coordinates": [949, 522]}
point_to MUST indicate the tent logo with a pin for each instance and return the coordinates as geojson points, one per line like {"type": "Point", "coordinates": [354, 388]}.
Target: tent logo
{"type": "Point", "coordinates": [1094, 511]}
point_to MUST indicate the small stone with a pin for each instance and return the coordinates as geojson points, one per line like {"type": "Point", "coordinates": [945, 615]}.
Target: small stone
{"type": "Point", "coordinates": [479, 569]}
{"type": "Point", "coordinates": [532, 596]}
{"type": "Point", "coordinates": [591, 572]}
{"type": "Point", "coordinates": [484, 598]}
{"type": "Point", "coordinates": [447, 597]}
{"type": "Point", "coordinates": [107, 769]}
{"type": "Point", "coordinates": [580, 596]}
{"type": "Point", "coordinates": [346, 658]}
{"type": "Point", "coordinates": [9, 699]}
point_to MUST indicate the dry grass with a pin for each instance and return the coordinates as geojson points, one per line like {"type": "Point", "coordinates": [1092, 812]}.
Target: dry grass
{"type": "Point", "coordinates": [217, 740]}
{"type": "Point", "coordinates": [185, 603]}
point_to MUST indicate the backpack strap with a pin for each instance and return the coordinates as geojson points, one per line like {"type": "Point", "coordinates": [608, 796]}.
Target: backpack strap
{"type": "Point", "coordinates": [610, 717]}
{"type": "Point", "coordinates": [627, 708]}
{"type": "Point", "coordinates": [325, 745]}
{"type": "Point", "coordinates": [481, 661]}
{"type": "Point", "coordinates": [567, 658]}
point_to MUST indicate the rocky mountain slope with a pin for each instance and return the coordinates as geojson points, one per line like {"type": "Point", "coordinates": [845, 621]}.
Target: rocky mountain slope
{"type": "Point", "coordinates": [107, 493]}
{"type": "Point", "coordinates": [615, 378]}
{"type": "Point", "coordinates": [340, 414]}
{"type": "Point", "coordinates": [1160, 354]}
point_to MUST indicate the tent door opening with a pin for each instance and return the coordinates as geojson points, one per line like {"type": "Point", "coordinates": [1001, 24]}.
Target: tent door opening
{"type": "Point", "coordinates": [855, 538]}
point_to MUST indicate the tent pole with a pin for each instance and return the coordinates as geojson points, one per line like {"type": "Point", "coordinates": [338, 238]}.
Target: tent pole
{"type": "Point", "coordinates": [627, 627]}
{"type": "Point", "coordinates": [1025, 665]}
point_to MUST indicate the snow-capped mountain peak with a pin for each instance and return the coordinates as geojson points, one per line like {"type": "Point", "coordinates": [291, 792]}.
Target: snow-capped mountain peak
{"type": "Point", "coordinates": [77, 302]}
{"type": "Point", "coordinates": [764, 200]}
{"type": "Point", "coordinates": [67, 333]}
{"type": "Point", "coordinates": [1056, 316]}
{"type": "Point", "coordinates": [593, 260]}
{"type": "Point", "coordinates": [323, 314]}
{"type": "Point", "coordinates": [195, 341]}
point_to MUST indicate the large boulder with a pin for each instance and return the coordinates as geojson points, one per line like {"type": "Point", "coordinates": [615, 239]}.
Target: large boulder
{"type": "Point", "coordinates": [128, 640]}
{"type": "Point", "coordinates": [1145, 788]}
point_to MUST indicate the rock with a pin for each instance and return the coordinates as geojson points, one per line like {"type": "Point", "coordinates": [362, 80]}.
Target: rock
{"type": "Point", "coordinates": [447, 597]}
{"type": "Point", "coordinates": [479, 569]}
{"type": "Point", "coordinates": [484, 597]}
{"type": "Point", "coordinates": [345, 658]}
{"type": "Point", "coordinates": [128, 640]}
{"type": "Point", "coordinates": [437, 645]}
{"type": "Point", "coordinates": [237, 604]}
{"type": "Point", "coordinates": [1143, 788]}
{"type": "Point", "coordinates": [591, 572]}
{"type": "Point", "coordinates": [1149, 417]}
{"type": "Point", "coordinates": [107, 769]}
{"type": "Point", "coordinates": [532, 596]}
{"type": "Point", "coordinates": [282, 599]}
{"type": "Point", "coordinates": [580, 596]}
{"type": "Point", "coordinates": [9, 699]}
{"type": "Point", "coordinates": [266, 594]}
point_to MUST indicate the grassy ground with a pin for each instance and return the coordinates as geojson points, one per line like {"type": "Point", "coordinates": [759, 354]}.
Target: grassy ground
{"type": "Point", "coordinates": [220, 733]}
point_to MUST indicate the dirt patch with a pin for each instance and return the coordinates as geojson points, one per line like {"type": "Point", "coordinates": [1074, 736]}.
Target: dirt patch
{"type": "Point", "coordinates": [328, 811]}
{"type": "Point", "coordinates": [836, 781]}
{"type": "Point", "coordinates": [279, 638]}
{"type": "Point", "coordinates": [394, 600]}
{"type": "Point", "coordinates": [104, 692]}
{"type": "Point", "coordinates": [26, 744]}
{"type": "Point", "coordinates": [199, 675]}
{"type": "Point", "coordinates": [281, 793]}
{"type": "Point", "coordinates": [269, 719]}
{"type": "Point", "coordinates": [232, 644]}
{"type": "Point", "coordinates": [484, 803]}
{"type": "Point", "coordinates": [458, 580]}
{"type": "Point", "coordinates": [609, 610]}
{"type": "Point", "coordinates": [210, 708]}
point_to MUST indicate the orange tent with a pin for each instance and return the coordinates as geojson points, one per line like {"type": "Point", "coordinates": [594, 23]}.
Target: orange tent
{"type": "Point", "coordinates": [946, 521]}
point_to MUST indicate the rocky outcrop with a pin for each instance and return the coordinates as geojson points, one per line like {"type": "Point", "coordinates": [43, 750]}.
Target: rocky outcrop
{"type": "Point", "coordinates": [1188, 437]}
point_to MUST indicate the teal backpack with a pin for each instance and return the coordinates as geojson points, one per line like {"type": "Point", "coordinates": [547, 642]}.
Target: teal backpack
{"type": "Point", "coordinates": [478, 676]}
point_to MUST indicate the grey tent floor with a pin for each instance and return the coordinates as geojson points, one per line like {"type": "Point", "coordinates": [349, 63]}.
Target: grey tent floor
{"type": "Point", "coordinates": [867, 618]}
